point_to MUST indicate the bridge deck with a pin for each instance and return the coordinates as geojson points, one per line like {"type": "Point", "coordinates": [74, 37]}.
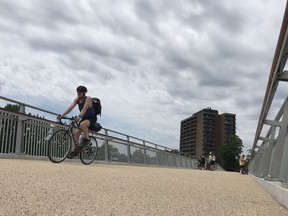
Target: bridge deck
{"type": "Point", "coordinates": [33, 187]}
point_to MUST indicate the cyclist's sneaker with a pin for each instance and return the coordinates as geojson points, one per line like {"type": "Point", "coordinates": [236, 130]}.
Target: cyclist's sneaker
{"type": "Point", "coordinates": [85, 142]}
{"type": "Point", "coordinates": [72, 154]}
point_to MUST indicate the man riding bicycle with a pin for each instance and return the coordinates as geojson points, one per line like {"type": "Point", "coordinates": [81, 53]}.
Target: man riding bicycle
{"type": "Point", "coordinates": [85, 118]}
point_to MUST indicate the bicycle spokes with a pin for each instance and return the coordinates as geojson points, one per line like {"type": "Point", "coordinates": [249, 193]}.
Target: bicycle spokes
{"type": "Point", "coordinates": [59, 146]}
{"type": "Point", "coordinates": [89, 152]}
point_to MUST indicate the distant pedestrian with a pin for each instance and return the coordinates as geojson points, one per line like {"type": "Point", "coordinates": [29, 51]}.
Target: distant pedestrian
{"type": "Point", "coordinates": [242, 164]}
{"type": "Point", "coordinates": [202, 162]}
{"type": "Point", "coordinates": [208, 161]}
{"type": "Point", "coordinates": [213, 162]}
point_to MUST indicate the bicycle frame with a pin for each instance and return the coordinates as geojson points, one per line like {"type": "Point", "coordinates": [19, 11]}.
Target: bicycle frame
{"type": "Point", "coordinates": [62, 142]}
{"type": "Point", "coordinates": [72, 126]}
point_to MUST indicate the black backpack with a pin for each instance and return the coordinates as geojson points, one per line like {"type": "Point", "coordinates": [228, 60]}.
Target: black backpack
{"type": "Point", "coordinates": [97, 106]}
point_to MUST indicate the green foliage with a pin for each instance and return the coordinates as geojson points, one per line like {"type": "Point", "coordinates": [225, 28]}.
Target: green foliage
{"type": "Point", "coordinates": [249, 155]}
{"type": "Point", "coordinates": [11, 107]}
{"type": "Point", "coordinates": [229, 152]}
{"type": "Point", "coordinates": [101, 152]}
{"type": "Point", "coordinates": [137, 156]}
{"type": "Point", "coordinates": [113, 154]}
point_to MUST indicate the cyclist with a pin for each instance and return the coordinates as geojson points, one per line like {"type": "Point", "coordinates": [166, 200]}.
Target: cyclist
{"type": "Point", "coordinates": [86, 117]}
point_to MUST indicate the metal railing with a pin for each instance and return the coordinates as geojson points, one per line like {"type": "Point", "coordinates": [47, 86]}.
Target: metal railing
{"type": "Point", "coordinates": [25, 134]}
{"type": "Point", "coordinates": [271, 160]}
{"type": "Point", "coordinates": [270, 152]}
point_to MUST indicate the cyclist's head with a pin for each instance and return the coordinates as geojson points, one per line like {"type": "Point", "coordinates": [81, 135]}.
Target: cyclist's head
{"type": "Point", "coordinates": [81, 89]}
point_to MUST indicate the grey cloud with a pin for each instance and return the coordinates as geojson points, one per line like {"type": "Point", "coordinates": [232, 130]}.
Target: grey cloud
{"type": "Point", "coordinates": [168, 57]}
{"type": "Point", "coordinates": [76, 63]}
{"type": "Point", "coordinates": [147, 12]}
{"type": "Point", "coordinates": [41, 13]}
{"type": "Point", "coordinates": [66, 46]}
{"type": "Point", "coordinates": [48, 44]}
{"type": "Point", "coordinates": [229, 18]}
{"type": "Point", "coordinates": [217, 81]}
{"type": "Point", "coordinates": [245, 101]}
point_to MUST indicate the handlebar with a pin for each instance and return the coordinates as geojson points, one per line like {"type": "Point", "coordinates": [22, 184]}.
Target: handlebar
{"type": "Point", "coordinates": [73, 122]}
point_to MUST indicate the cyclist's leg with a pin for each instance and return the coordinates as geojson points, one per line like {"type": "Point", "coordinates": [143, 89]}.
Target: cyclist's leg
{"type": "Point", "coordinates": [77, 137]}
{"type": "Point", "coordinates": [74, 147]}
{"type": "Point", "coordinates": [241, 169]}
{"type": "Point", "coordinates": [84, 128]}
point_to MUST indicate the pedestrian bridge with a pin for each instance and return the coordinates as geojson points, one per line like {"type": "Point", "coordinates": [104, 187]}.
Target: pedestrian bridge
{"type": "Point", "coordinates": [161, 181]}
{"type": "Point", "coordinates": [130, 176]}
{"type": "Point", "coordinates": [39, 187]}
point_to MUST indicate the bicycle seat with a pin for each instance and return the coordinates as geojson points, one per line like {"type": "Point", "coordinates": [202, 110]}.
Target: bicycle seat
{"type": "Point", "coordinates": [95, 127]}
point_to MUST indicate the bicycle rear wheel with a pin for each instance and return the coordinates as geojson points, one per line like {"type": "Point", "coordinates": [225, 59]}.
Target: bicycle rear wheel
{"type": "Point", "coordinates": [88, 153]}
{"type": "Point", "coordinates": [59, 146]}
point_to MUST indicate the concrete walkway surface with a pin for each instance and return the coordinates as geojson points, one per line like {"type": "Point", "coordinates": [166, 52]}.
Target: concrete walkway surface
{"type": "Point", "coordinates": [33, 187]}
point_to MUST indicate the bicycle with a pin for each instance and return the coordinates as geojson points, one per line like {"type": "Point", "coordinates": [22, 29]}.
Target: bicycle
{"type": "Point", "coordinates": [60, 144]}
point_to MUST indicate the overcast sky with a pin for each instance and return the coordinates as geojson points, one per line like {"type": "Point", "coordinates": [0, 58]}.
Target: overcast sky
{"type": "Point", "coordinates": [152, 63]}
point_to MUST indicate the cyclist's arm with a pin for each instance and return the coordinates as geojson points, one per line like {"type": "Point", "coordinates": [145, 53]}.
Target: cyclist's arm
{"type": "Point", "coordinates": [70, 108]}
{"type": "Point", "coordinates": [87, 105]}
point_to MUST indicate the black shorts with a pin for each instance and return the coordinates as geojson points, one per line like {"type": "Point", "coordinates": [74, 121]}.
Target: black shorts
{"type": "Point", "coordinates": [91, 120]}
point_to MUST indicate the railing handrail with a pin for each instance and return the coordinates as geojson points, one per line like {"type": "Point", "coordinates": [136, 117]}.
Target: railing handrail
{"type": "Point", "coordinates": [157, 146]}
{"type": "Point", "coordinates": [28, 105]}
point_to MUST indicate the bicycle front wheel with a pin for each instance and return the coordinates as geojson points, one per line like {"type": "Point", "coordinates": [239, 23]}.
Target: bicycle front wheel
{"type": "Point", "coordinates": [59, 146]}
{"type": "Point", "coordinates": [88, 153]}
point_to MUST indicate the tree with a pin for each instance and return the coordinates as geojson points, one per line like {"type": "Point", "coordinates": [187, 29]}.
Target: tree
{"type": "Point", "coordinates": [113, 154]}
{"type": "Point", "coordinates": [15, 108]}
{"type": "Point", "coordinates": [101, 151]}
{"type": "Point", "coordinates": [230, 152]}
{"type": "Point", "coordinates": [137, 156]}
{"type": "Point", "coordinates": [249, 155]}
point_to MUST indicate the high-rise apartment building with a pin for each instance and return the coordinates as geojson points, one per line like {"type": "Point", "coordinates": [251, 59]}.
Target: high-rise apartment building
{"type": "Point", "coordinates": [206, 131]}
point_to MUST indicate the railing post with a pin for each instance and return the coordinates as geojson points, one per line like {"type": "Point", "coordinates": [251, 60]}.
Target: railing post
{"type": "Point", "coordinates": [106, 146]}
{"type": "Point", "coordinates": [19, 135]}
{"type": "Point", "coordinates": [257, 162]}
{"type": "Point", "coordinates": [269, 150]}
{"type": "Point", "coordinates": [167, 155]}
{"type": "Point", "coordinates": [157, 158]}
{"type": "Point", "coordinates": [283, 175]}
{"type": "Point", "coordinates": [278, 156]}
{"type": "Point", "coordinates": [128, 150]}
{"type": "Point", "coordinates": [22, 108]}
{"type": "Point", "coordinates": [144, 151]}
